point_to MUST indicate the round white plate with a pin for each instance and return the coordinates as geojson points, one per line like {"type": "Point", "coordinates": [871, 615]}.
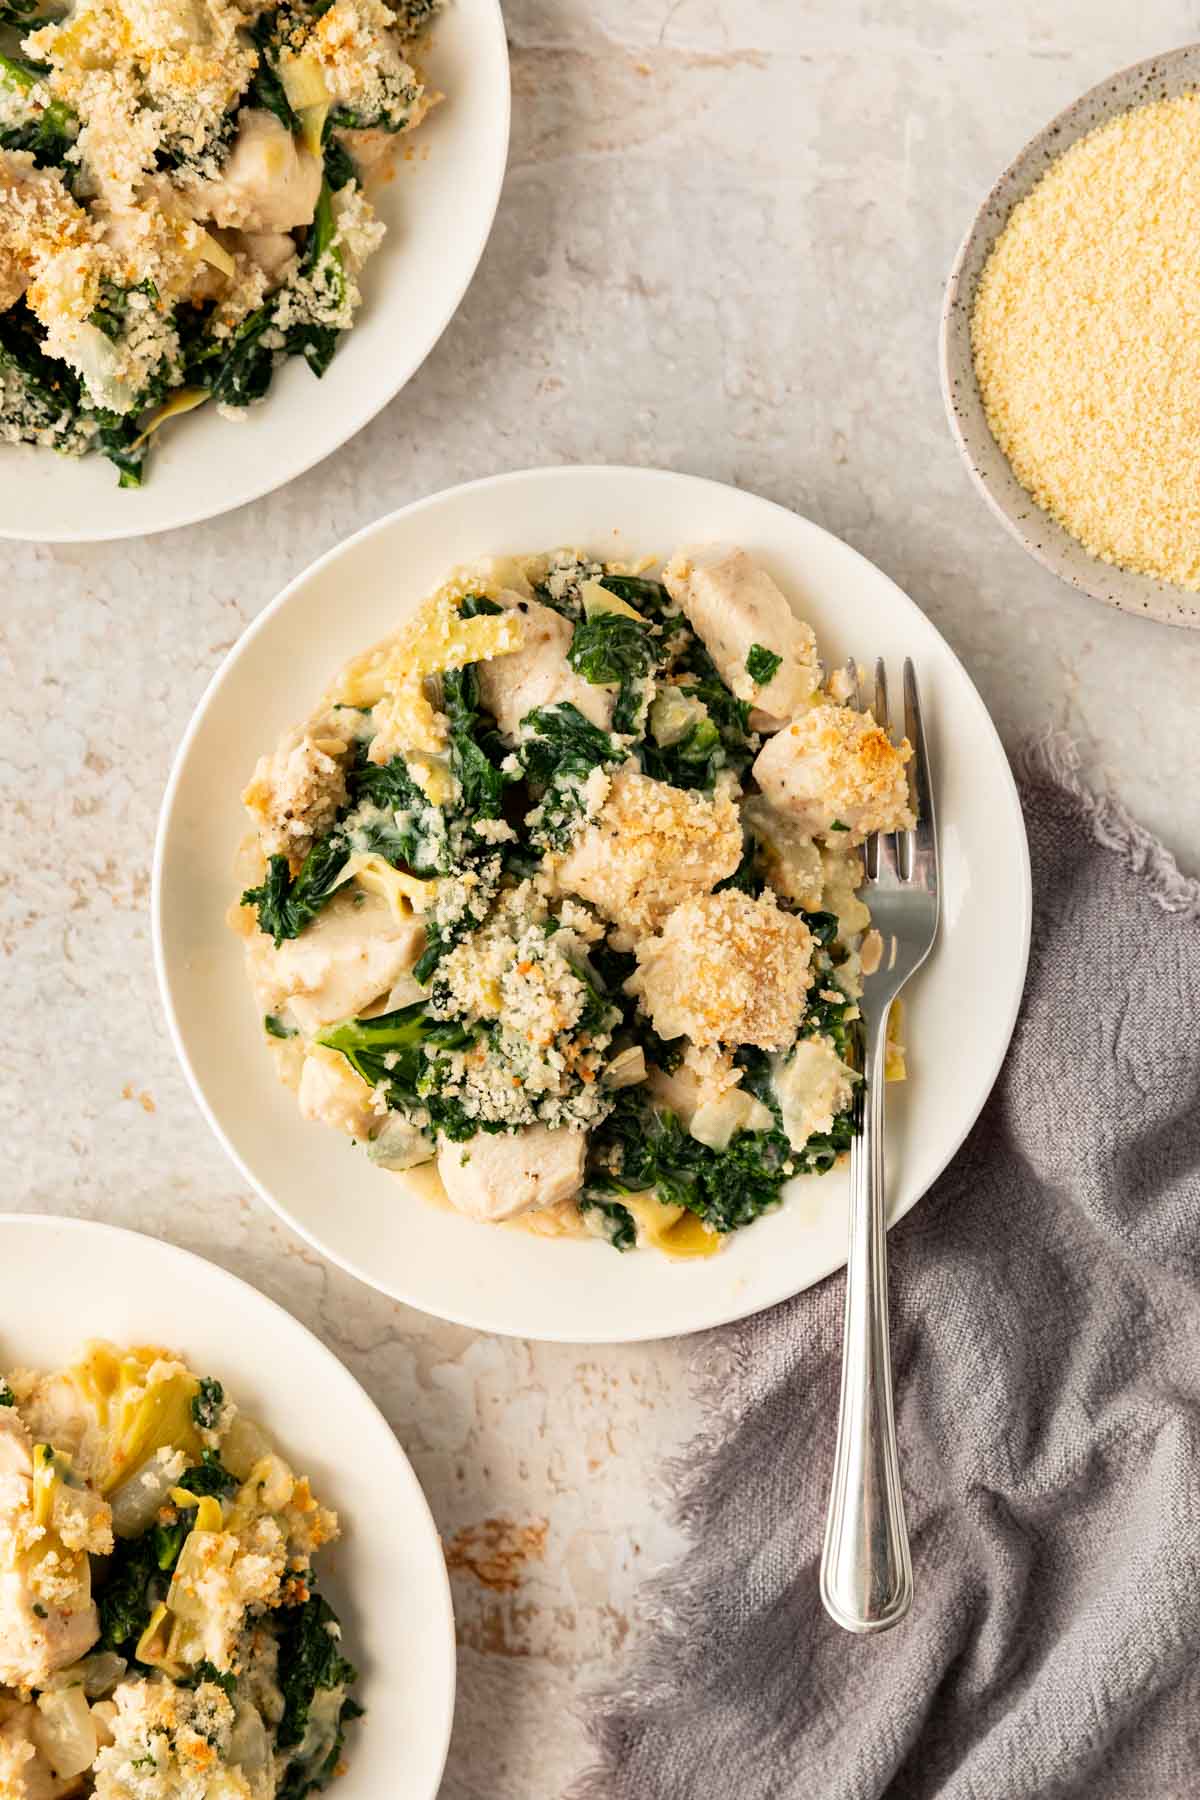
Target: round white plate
{"type": "Point", "coordinates": [438, 209]}
{"type": "Point", "coordinates": [63, 1281]}
{"type": "Point", "coordinates": [961, 1009]}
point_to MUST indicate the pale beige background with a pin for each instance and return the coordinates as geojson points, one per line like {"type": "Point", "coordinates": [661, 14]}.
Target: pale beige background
{"type": "Point", "coordinates": [721, 248]}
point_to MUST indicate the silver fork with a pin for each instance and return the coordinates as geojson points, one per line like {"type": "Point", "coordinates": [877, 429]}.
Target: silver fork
{"type": "Point", "coordinates": [866, 1569]}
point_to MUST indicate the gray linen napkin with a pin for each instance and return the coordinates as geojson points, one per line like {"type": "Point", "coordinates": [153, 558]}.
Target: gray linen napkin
{"type": "Point", "coordinates": [1046, 1325]}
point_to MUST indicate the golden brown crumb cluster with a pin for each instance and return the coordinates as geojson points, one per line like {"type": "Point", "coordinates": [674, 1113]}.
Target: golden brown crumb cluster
{"type": "Point", "coordinates": [727, 969]}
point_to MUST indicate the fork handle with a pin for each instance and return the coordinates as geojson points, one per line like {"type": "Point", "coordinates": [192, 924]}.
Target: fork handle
{"type": "Point", "coordinates": [866, 1570]}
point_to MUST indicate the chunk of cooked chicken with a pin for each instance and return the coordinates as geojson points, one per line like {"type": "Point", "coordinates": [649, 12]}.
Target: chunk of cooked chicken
{"type": "Point", "coordinates": [354, 952]}
{"type": "Point", "coordinates": [788, 857]}
{"type": "Point", "coordinates": [649, 847]}
{"type": "Point", "coordinates": [734, 605]}
{"type": "Point", "coordinates": [270, 251]}
{"type": "Point", "coordinates": [270, 182]}
{"type": "Point", "coordinates": [497, 1175]}
{"type": "Point", "coordinates": [538, 674]}
{"type": "Point", "coordinates": [332, 1093]}
{"type": "Point", "coordinates": [834, 770]}
{"type": "Point", "coordinates": [47, 1618]}
{"type": "Point", "coordinates": [295, 792]}
{"type": "Point", "coordinates": [39, 222]}
{"type": "Point", "coordinates": [24, 1772]}
{"type": "Point", "coordinates": [727, 969]}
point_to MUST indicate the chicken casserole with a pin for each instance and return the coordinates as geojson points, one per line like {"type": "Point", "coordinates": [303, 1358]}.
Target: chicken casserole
{"type": "Point", "coordinates": [182, 202]}
{"type": "Point", "coordinates": [556, 893]}
{"type": "Point", "coordinates": [161, 1636]}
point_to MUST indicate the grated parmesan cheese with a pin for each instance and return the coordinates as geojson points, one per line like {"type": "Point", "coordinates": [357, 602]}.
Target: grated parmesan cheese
{"type": "Point", "coordinates": [1086, 338]}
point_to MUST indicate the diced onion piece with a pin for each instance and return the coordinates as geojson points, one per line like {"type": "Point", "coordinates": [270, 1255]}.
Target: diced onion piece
{"type": "Point", "coordinates": [94, 1675]}
{"type": "Point", "coordinates": [249, 1746]}
{"type": "Point", "coordinates": [104, 1717]}
{"type": "Point", "coordinates": [183, 400]}
{"type": "Point", "coordinates": [597, 599]}
{"type": "Point", "coordinates": [65, 1733]}
{"type": "Point", "coordinates": [244, 1445]}
{"type": "Point", "coordinates": [136, 1501]}
{"type": "Point", "coordinates": [718, 1121]}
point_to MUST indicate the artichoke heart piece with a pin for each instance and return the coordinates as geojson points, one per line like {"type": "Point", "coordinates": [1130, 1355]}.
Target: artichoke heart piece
{"type": "Point", "coordinates": [154, 1647]}
{"type": "Point", "coordinates": [142, 1402]}
{"type": "Point", "coordinates": [598, 599]}
{"type": "Point", "coordinates": [669, 1228]}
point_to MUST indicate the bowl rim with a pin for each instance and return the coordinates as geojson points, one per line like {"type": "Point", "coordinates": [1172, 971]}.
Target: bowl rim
{"type": "Point", "coordinates": [1162, 601]}
{"type": "Point", "coordinates": [565, 473]}
{"type": "Point", "coordinates": [239, 1288]}
{"type": "Point", "coordinates": [374, 398]}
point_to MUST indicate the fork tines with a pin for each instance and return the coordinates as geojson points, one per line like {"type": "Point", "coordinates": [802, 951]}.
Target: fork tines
{"type": "Point", "coordinates": [904, 855]}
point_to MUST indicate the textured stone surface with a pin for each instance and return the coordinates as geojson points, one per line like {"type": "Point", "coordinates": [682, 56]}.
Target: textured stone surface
{"type": "Point", "coordinates": [721, 248]}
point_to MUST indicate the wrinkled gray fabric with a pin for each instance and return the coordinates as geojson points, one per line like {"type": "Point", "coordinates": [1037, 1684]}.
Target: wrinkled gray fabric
{"type": "Point", "coordinates": [1046, 1328]}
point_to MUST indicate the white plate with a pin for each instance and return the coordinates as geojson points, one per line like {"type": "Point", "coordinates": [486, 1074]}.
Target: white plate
{"type": "Point", "coordinates": [438, 209]}
{"type": "Point", "coordinates": [63, 1281]}
{"type": "Point", "coordinates": [961, 1011]}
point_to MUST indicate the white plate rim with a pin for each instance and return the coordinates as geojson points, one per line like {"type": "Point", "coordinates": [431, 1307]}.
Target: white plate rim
{"type": "Point", "coordinates": [356, 418]}
{"type": "Point", "coordinates": [242, 1291]}
{"type": "Point", "coordinates": [473, 1320]}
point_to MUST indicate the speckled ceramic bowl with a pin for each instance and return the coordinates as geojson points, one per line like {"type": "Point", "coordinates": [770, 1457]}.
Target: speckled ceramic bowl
{"type": "Point", "coordinates": [1161, 78]}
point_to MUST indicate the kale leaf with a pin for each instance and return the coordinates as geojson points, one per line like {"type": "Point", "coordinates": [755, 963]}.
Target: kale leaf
{"type": "Point", "coordinates": [266, 89]}
{"type": "Point", "coordinates": [761, 664]}
{"type": "Point", "coordinates": [390, 1050]}
{"type": "Point", "coordinates": [642, 1146]}
{"type": "Point", "coordinates": [340, 166]}
{"type": "Point", "coordinates": [647, 597]}
{"type": "Point", "coordinates": [51, 131]}
{"type": "Point", "coordinates": [130, 1592]}
{"type": "Point", "coordinates": [612, 648]}
{"type": "Point", "coordinates": [405, 836]}
{"type": "Point", "coordinates": [619, 1226]}
{"type": "Point", "coordinates": [207, 1402]}
{"type": "Point", "coordinates": [558, 753]}
{"type": "Point", "coordinates": [609, 647]}
{"type": "Point", "coordinates": [112, 312]}
{"type": "Point", "coordinates": [49, 390]}
{"type": "Point", "coordinates": [209, 1476]}
{"type": "Point", "coordinates": [286, 903]}
{"type": "Point", "coordinates": [225, 1679]}
{"type": "Point", "coordinates": [309, 1660]}
{"type": "Point", "coordinates": [236, 370]}
{"type": "Point", "coordinates": [274, 1026]}
{"type": "Point", "coordinates": [322, 266]}
{"type": "Point", "coordinates": [476, 750]}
